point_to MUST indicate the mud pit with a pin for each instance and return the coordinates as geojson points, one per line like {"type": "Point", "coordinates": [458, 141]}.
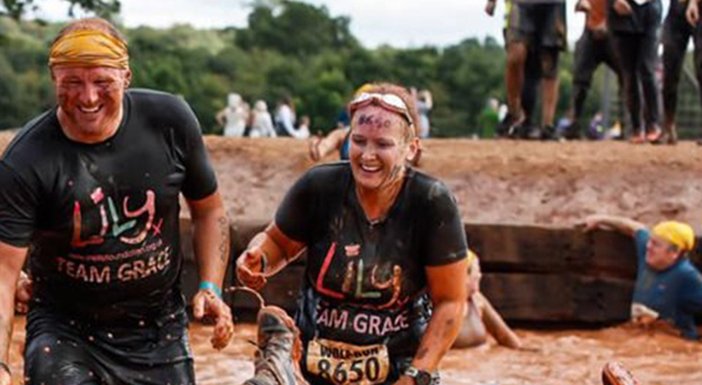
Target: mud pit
{"type": "Point", "coordinates": [495, 182]}
{"type": "Point", "coordinates": [569, 357]}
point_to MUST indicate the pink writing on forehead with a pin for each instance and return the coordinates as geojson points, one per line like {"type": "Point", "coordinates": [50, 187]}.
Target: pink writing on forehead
{"type": "Point", "coordinates": [373, 121]}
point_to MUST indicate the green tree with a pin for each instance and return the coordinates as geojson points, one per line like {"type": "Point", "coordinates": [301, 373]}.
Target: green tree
{"type": "Point", "coordinates": [469, 73]}
{"type": "Point", "coordinates": [299, 29]}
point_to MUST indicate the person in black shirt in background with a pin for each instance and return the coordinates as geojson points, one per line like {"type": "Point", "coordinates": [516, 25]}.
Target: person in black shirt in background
{"type": "Point", "coordinates": [634, 25]}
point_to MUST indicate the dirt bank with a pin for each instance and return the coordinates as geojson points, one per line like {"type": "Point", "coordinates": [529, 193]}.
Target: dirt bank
{"type": "Point", "coordinates": [498, 181]}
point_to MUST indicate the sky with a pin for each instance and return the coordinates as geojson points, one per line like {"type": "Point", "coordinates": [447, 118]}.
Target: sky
{"type": "Point", "coordinates": [398, 23]}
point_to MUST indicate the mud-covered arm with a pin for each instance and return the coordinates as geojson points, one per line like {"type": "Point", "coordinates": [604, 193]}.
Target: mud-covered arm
{"type": "Point", "coordinates": [211, 247]}
{"type": "Point", "coordinates": [11, 260]}
{"type": "Point", "coordinates": [448, 291]}
{"type": "Point", "coordinates": [210, 237]}
{"type": "Point", "coordinates": [267, 253]}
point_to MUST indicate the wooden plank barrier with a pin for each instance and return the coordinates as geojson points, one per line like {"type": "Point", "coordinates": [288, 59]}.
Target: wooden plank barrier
{"type": "Point", "coordinates": [530, 273]}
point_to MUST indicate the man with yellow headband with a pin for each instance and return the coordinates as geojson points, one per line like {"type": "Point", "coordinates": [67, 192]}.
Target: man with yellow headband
{"type": "Point", "coordinates": [89, 197]}
{"type": "Point", "coordinates": [668, 286]}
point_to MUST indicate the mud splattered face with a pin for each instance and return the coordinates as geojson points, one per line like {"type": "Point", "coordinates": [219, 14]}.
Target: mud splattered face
{"type": "Point", "coordinates": [660, 254]}
{"type": "Point", "coordinates": [90, 98]}
{"type": "Point", "coordinates": [378, 147]}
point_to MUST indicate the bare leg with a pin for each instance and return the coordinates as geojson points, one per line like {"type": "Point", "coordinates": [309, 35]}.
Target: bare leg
{"type": "Point", "coordinates": [549, 93]}
{"type": "Point", "coordinates": [514, 77]}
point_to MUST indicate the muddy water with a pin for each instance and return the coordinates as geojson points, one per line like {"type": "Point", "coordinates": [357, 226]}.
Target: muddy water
{"type": "Point", "coordinates": [554, 358]}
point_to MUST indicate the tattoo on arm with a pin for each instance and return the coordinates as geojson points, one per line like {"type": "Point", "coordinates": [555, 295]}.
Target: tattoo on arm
{"type": "Point", "coordinates": [224, 245]}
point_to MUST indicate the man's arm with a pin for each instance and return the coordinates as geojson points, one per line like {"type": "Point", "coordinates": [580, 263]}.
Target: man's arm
{"type": "Point", "coordinates": [448, 292]}
{"type": "Point", "coordinates": [621, 224]}
{"type": "Point", "coordinates": [210, 237]}
{"type": "Point", "coordinates": [211, 247]}
{"type": "Point", "coordinates": [11, 260]}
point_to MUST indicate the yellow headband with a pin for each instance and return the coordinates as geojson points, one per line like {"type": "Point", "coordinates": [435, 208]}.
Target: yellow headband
{"type": "Point", "coordinates": [677, 233]}
{"type": "Point", "coordinates": [89, 48]}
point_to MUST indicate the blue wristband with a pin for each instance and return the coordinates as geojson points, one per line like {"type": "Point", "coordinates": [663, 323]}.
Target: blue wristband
{"type": "Point", "coordinates": [207, 285]}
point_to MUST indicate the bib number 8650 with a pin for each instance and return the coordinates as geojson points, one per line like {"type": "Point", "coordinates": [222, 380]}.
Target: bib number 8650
{"type": "Point", "coordinates": [349, 372]}
{"type": "Point", "coordinates": [342, 363]}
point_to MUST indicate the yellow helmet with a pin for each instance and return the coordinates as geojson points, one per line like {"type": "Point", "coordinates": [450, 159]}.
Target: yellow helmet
{"type": "Point", "coordinates": [677, 233]}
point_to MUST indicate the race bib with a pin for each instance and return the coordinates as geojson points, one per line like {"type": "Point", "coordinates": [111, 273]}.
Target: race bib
{"type": "Point", "coordinates": [343, 363]}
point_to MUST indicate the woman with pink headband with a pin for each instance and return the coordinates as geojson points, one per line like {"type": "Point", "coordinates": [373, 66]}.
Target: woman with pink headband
{"type": "Point", "coordinates": [384, 285]}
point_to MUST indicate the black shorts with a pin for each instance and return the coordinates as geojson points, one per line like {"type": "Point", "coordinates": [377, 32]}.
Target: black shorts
{"type": "Point", "coordinates": [60, 350]}
{"type": "Point", "coordinates": [541, 25]}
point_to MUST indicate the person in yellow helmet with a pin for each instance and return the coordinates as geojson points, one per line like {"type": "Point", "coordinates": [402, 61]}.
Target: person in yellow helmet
{"type": "Point", "coordinates": [668, 286]}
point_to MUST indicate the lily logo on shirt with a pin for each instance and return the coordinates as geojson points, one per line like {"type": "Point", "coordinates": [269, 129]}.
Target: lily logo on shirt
{"type": "Point", "coordinates": [117, 224]}
{"type": "Point", "coordinates": [357, 282]}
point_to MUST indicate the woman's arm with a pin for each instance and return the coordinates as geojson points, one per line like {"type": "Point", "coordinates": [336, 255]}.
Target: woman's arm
{"type": "Point", "coordinates": [496, 326]}
{"type": "Point", "coordinates": [268, 252]}
{"type": "Point", "coordinates": [448, 291]}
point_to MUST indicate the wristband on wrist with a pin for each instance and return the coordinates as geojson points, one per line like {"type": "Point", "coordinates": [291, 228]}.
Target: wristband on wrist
{"type": "Point", "coordinates": [4, 366]}
{"type": "Point", "coordinates": [207, 285]}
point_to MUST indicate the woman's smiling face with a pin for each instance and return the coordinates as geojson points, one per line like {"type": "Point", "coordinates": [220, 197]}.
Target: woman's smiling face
{"type": "Point", "coordinates": [379, 146]}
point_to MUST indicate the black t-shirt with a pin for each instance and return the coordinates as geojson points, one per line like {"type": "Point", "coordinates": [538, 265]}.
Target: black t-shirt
{"type": "Point", "coordinates": [365, 283]}
{"type": "Point", "coordinates": [101, 220]}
